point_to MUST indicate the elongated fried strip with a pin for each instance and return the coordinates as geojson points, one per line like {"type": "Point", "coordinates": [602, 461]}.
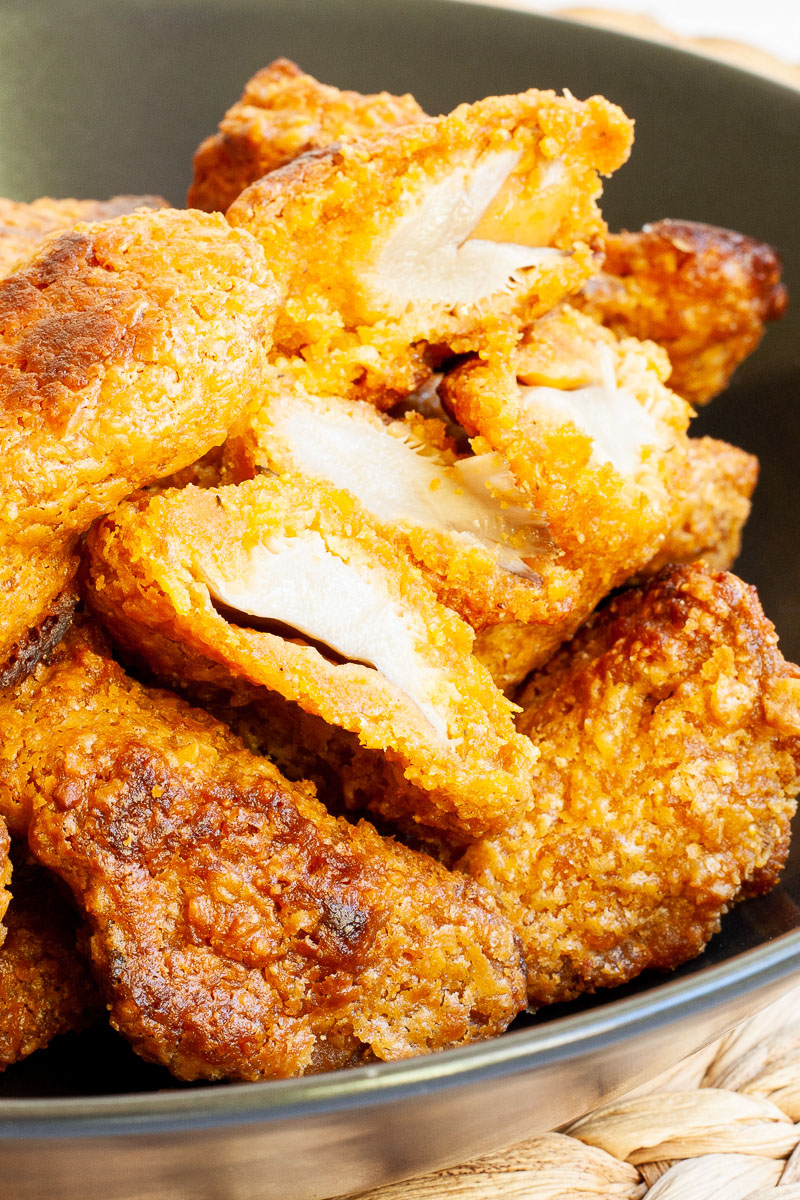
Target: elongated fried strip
{"type": "Point", "coordinates": [238, 930]}
{"type": "Point", "coordinates": [669, 739]}
{"type": "Point", "coordinates": [287, 585]}
{"type": "Point", "coordinates": [46, 987]}
{"type": "Point", "coordinates": [282, 113]}
{"type": "Point", "coordinates": [23, 227]}
{"type": "Point", "coordinates": [714, 507]}
{"type": "Point", "coordinates": [701, 292]}
{"type": "Point", "coordinates": [459, 518]}
{"type": "Point", "coordinates": [596, 445]}
{"type": "Point", "coordinates": [432, 238]}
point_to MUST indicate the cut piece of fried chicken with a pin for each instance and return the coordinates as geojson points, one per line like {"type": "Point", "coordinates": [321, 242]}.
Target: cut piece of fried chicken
{"type": "Point", "coordinates": [237, 929]}
{"type": "Point", "coordinates": [701, 292]}
{"type": "Point", "coordinates": [596, 445]}
{"type": "Point", "coordinates": [23, 227]}
{"type": "Point", "coordinates": [282, 113]}
{"type": "Point", "coordinates": [46, 987]}
{"type": "Point", "coordinates": [286, 584]}
{"type": "Point", "coordinates": [431, 239]}
{"type": "Point", "coordinates": [714, 507]}
{"type": "Point", "coordinates": [460, 518]}
{"type": "Point", "coordinates": [126, 350]}
{"type": "Point", "coordinates": [669, 740]}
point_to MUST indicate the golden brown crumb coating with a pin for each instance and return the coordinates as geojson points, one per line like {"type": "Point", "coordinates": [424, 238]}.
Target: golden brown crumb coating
{"type": "Point", "coordinates": [237, 929]}
{"type": "Point", "coordinates": [715, 505]}
{"type": "Point", "coordinates": [46, 987]}
{"type": "Point", "coordinates": [5, 875]}
{"type": "Point", "coordinates": [701, 292]}
{"type": "Point", "coordinates": [32, 578]}
{"type": "Point", "coordinates": [433, 238]}
{"type": "Point", "coordinates": [669, 739]}
{"type": "Point", "coordinates": [596, 445]}
{"type": "Point", "coordinates": [128, 347]}
{"type": "Point", "coordinates": [23, 227]}
{"type": "Point", "coordinates": [51, 625]}
{"type": "Point", "coordinates": [282, 113]}
{"type": "Point", "coordinates": [285, 584]}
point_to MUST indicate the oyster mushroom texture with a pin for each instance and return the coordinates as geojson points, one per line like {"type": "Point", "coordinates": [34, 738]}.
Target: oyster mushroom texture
{"type": "Point", "coordinates": [287, 585]}
{"type": "Point", "coordinates": [434, 238]}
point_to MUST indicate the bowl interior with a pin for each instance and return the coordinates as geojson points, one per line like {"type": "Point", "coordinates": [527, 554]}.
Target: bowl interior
{"type": "Point", "coordinates": [96, 100]}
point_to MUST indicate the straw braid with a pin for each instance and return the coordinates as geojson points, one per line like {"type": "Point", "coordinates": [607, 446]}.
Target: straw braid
{"type": "Point", "coordinates": [723, 1123]}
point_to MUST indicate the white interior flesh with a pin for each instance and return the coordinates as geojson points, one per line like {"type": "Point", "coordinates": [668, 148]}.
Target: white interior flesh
{"type": "Point", "coordinates": [429, 255]}
{"type": "Point", "coordinates": [620, 428]}
{"type": "Point", "coordinates": [300, 582]}
{"type": "Point", "coordinates": [399, 483]}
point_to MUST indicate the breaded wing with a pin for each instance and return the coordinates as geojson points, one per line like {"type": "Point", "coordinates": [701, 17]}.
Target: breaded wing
{"type": "Point", "coordinates": [237, 929]}
{"type": "Point", "coordinates": [701, 292]}
{"type": "Point", "coordinates": [46, 987]}
{"type": "Point", "coordinates": [669, 740]}
{"type": "Point", "coordinates": [287, 585]}
{"type": "Point", "coordinates": [23, 227]}
{"type": "Point", "coordinates": [282, 113]}
{"type": "Point", "coordinates": [433, 238]}
{"type": "Point", "coordinates": [715, 505]}
{"type": "Point", "coordinates": [596, 445]}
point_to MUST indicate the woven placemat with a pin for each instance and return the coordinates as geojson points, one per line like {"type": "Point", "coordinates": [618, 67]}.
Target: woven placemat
{"type": "Point", "coordinates": [722, 1125]}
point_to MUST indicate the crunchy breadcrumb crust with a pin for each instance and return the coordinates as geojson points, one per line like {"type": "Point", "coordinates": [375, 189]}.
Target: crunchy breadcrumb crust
{"type": "Point", "coordinates": [701, 292]}
{"type": "Point", "coordinates": [326, 222]}
{"type": "Point", "coordinates": [282, 113]}
{"type": "Point", "coordinates": [237, 929]}
{"type": "Point", "coordinates": [669, 739]}
{"type": "Point", "coordinates": [51, 625]}
{"type": "Point", "coordinates": [606, 519]}
{"type": "Point", "coordinates": [31, 580]}
{"type": "Point", "coordinates": [46, 987]}
{"type": "Point", "coordinates": [715, 504]}
{"type": "Point", "coordinates": [147, 578]}
{"type": "Point", "coordinates": [23, 227]}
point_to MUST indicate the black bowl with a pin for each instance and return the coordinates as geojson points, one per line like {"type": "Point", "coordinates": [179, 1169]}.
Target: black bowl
{"type": "Point", "coordinates": [97, 99]}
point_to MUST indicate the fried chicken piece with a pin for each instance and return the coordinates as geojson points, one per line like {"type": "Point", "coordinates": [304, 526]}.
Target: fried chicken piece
{"type": "Point", "coordinates": [46, 987]}
{"type": "Point", "coordinates": [238, 930]}
{"type": "Point", "coordinates": [714, 508]}
{"type": "Point", "coordinates": [282, 113]}
{"type": "Point", "coordinates": [5, 876]}
{"type": "Point", "coordinates": [433, 238]}
{"type": "Point", "coordinates": [23, 227]}
{"type": "Point", "coordinates": [701, 292]}
{"type": "Point", "coordinates": [596, 445]}
{"type": "Point", "coordinates": [286, 585]}
{"type": "Point", "coordinates": [669, 739]}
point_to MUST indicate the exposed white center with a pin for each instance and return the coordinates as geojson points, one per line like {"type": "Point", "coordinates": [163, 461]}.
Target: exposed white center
{"type": "Point", "coordinates": [429, 255]}
{"type": "Point", "coordinates": [401, 481]}
{"type": "Point", "coordinates": [301, 583]}
{"type": "Point", "coordinates": [618, 425]}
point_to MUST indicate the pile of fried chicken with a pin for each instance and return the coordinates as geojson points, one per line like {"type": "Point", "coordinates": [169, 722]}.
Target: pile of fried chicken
{"type": "Point", "coordinates": [371, 670]}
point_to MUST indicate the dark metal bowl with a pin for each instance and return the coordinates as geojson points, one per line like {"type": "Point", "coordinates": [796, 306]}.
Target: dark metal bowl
{"type": "Point", "coordinates": [103, 98]}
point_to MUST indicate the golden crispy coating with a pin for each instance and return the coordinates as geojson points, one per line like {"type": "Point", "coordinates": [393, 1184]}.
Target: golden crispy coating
{"type": "Point", "coordinates": [596, 445]}
{"type": "Point", "coordinates": [32, 578]}
{"type": "Point", "coordinates": [432, 238]}
{"type": "Point", "coordinates": [715, 505]}
{"type": "Point", "coordinates": [238, 930]}
{"type": "Point", "coordinates": [5, 876]}
{"type": "Point", "coordinates": [701, 292]}
{"type": "Point", "coordinates": [282, 113]}
{"type": "Point", "coordinates": [51, 625]}
{"type": "Point", "coordinates": [126, 350]}
{"type": "Point", "coordinates": [460, 518]}
{"type": "Point", "coordinates": [669, 732]}
{"type": "Point", "coordinates": [23, 227]}
{"type": "Point", "coordinates": [286, 585]}
{"type": "Point", "coordinates": [46, 987]}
